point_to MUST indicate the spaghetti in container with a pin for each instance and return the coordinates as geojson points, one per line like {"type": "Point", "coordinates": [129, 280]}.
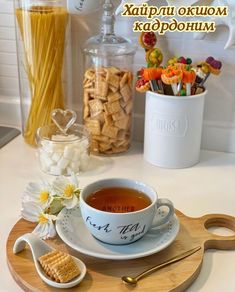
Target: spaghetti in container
{"type": "Point", "coordinates": [41, 29]}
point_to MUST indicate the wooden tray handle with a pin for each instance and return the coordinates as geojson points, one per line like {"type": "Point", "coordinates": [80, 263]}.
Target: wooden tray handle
{"type": "Point", "coordinates": [218, 241]}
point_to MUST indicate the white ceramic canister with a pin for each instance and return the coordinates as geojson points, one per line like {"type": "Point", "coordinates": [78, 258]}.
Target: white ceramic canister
{"type": "Point", "coordinates": [83, 6]}
{"type": "Point", "coordinates": [173, 128]}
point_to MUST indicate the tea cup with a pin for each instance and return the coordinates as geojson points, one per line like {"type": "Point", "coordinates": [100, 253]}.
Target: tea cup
{"type": "Point", "coordinates": [123, 228]}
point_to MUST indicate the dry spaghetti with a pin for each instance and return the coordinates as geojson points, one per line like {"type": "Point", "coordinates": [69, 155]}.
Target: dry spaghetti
{"type": "Point", "coordinates": [43, 32]}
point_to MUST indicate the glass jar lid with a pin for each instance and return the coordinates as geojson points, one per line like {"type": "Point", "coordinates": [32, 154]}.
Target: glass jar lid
{"type": "Point", "coordinates": [42, 4]}
{"type": "Point", "coordinates": [107, 43]}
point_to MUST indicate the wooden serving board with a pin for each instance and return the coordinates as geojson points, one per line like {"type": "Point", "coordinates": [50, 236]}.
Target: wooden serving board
{"type": "Point", "coordinates": [105, 275]}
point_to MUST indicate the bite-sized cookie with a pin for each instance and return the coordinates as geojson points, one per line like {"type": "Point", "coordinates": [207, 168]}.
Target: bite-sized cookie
{"type": "Point", "coordinates": [59, 266]}
{"type": "Point", "coordinates": [108, 100]}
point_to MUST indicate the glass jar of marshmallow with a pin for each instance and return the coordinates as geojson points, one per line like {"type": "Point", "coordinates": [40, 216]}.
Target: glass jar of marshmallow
{"type": "Point", "coordinates": [63, 153]}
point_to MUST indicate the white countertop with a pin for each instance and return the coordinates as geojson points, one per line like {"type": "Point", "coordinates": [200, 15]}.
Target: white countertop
{"type": "Point", "coordinates": [208, 187]}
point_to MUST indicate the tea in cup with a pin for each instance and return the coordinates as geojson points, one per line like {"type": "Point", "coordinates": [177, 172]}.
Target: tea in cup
{"type": "Point", "coordinates": [121, 211]}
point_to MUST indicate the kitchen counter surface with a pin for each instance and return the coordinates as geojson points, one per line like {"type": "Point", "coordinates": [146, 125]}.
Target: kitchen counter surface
{"type": "Point", "coordinates": [208, 187]}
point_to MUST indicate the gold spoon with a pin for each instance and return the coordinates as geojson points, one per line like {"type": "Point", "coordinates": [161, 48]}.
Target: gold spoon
{"type": "Point", "coordinates": [133, 280]}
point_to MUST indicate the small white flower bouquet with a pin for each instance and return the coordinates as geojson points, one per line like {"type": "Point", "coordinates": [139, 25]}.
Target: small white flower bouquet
{"type": "Point", "coordinates": [42, 202]}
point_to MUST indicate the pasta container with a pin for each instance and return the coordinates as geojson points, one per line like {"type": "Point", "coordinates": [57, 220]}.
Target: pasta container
{"type": "Point", "coordinates": [42, 35]}
{"type": "Point", "coordinates": [108, 88]}
{"type": "Point", "coordinates": [63, 154]}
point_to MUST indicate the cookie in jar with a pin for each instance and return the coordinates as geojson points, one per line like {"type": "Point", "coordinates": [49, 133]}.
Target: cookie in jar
{"type": "Point", "coordinates": [107, 108]}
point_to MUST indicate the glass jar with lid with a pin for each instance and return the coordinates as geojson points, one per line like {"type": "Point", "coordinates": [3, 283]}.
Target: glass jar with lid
{"type": "Point", "coordinates": [108, 88]}
{"type": "Point", "coordinates": [63, 154]}
{"type": "Point", "coordinates": [42, 27]}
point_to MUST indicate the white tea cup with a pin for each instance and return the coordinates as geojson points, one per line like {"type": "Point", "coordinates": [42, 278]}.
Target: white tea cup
{"type": "Point", "coordinates": [123, 228]}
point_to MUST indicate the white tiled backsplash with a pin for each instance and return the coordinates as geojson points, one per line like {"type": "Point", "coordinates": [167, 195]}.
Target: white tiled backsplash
{"type": "Point", "coordinates": [219, 117]}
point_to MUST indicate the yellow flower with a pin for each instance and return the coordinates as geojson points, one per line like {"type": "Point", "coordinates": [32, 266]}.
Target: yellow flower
{"type": "Point", "coordinates": [44, 196]}
{"type": "Point", "coordinates": [34, 213]}
{"type": "Point", "coordinates": [42, 219]}
{"type": "Point", "coordinates": [69, 190]}
{"type": "Point", "coordinates": [39, 193]}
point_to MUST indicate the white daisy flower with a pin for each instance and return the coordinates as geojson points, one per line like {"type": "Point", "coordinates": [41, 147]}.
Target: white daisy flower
{"type": "Point", "coordinates": [34, 213]}
{"type": "Point", "coordinates": [67, 188]}
{"type": "Point", "coordinates": [39, 193]}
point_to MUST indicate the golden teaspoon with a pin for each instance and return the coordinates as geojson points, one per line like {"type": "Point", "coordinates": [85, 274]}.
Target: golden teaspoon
{"type": "Point", "coordinates": [133, 280]}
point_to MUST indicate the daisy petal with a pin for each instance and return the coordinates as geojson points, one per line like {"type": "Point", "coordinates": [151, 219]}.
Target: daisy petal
{"type": "Point", "coordinates": [70, 203]}
{"type": "Point", "coordinates": [60, 184]}
{"type": "Point", "coordinates": [40, 230]}
{"type": "Point", "coordinates": [38, 193]}
{"type": "Point", "coordinates": [45, 231]}
{"type": "Point", "coordinates": [30, 211]}
{"type": "Point", "coordinates": [50, 217]}
{"type": "Point", "coordinates": [52, 231]}
{"type": "Point", "coordinates": [74, 180]}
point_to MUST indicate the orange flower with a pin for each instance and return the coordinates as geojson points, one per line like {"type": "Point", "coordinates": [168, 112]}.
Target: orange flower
{"type": "Point", "coordinates": [152, 73]}
{"type": "Point", "coordinates": [172, 75]}
{"type": "Point", "coordinates": [189, 76]}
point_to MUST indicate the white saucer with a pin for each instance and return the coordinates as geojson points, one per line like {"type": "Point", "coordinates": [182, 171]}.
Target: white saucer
{"type": "Point", "coordinates": [73, 232]}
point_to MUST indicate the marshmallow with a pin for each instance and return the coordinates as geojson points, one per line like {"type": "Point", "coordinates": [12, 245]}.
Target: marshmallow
{"type": "Point", "coordinates": [56, 156]}
{"type": "Point", "coordinates": [71, 155]}
{"type": "Point", "coordinates": [84, 161]}
{"type": "Point", "coordinates": [55, 170]}
{"type": "Point", "coordinates": [46, 159]}
{"type": "Point", "coordinates": [76, 155]}
{"type": "Point", "coordinates": [63, 163]}
{"type": "Point", "coordinates": [74, 166]}
{"type": "Point", "coordinates": [68, 152]}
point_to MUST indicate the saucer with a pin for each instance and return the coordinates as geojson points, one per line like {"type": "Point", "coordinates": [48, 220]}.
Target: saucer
{"type": "Point", "coordinates": [72, 230]}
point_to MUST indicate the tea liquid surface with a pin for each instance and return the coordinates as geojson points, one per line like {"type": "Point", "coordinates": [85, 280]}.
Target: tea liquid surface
{"type": "Point", "coordinates": [118, 200]}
